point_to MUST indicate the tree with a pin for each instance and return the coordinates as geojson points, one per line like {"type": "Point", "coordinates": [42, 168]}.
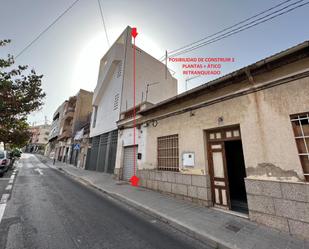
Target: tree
{"type": "Point", "coordinates": [20, 94]}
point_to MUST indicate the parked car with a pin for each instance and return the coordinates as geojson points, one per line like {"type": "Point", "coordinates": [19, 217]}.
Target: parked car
{"type": "Point", "coordinates": [5, 162]}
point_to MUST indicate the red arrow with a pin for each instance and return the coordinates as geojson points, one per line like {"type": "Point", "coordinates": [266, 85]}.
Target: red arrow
{"type": "Point", "coordinates": [134, 32]}
{"type": "Point", "coordinates": [134, 179]}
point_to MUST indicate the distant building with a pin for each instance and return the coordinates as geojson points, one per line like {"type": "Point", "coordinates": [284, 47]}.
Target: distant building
{"type": "Point", "coordinates": [39, 138]}
{"type": "Point", "coordinates": [70, 118]}
{"type": "Point", "coordinates": [54, 131]}
{"type": "Point", "coordinates": [113, 96]}
{"type": "Point", "coordinates": [81, 146]}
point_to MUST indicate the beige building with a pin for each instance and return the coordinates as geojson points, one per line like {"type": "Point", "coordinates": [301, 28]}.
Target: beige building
{"type": "Point", "coordinates": [71, 116]}
{"type": "Point", "coordinates": [239, 143]}
{"type": "Point", "coordinates": [39, 138]}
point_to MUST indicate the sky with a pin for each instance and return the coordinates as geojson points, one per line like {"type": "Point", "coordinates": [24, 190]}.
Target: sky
{"type": "Point", "coordinates": [68, 54]}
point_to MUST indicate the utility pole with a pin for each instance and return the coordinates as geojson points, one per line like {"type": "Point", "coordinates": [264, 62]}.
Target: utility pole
{"type": "Point", "coordinates": [166, 64]}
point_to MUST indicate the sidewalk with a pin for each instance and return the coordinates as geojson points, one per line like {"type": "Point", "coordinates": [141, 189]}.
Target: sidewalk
{"type": "Point", "coordinates": [217, 228]}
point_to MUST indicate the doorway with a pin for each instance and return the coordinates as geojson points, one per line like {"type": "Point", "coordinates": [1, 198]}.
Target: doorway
{"type": "Point", "coordinates": [236, 174]}
{"type": "Point", "coordinates": [227, 168]}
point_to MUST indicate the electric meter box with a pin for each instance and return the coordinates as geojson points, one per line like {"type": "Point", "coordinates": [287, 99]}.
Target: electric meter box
{"type": "Point", "coordinates": [188, 159]}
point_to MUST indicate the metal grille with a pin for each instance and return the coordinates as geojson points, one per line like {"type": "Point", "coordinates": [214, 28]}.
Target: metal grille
{"type": "Point", "coordinates": [87, 166]}
{"type": "Point", "coordinates": [112, 151]}
{"type": "Point", "coordinates": [300, 123]}
{"type": "Point", "coordinates": [102, 152]}
{"type": "Point", "coordinates": [168, 153]}
{"type": "Point", "coordinates": [94, 153]}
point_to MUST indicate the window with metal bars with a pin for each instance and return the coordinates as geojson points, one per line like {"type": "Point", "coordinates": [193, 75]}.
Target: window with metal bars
{"type": "Point", "coordinates": [300, 123]}
{"type": "Point", "coordinates": [168, 153]}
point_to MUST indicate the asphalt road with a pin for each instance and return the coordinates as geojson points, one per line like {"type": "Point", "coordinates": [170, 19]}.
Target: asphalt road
{"type": "Point", "coordinates": [4, 182]}
{"type": "Point", "coordinates": [47, 209]}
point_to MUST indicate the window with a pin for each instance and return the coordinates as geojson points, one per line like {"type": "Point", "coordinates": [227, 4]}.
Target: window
{"type": "Point", "coordinates": [94, 116]}
{"type": "Point", "coordinates": [168, 154]}
{"type": "Point", "coordinates": [300, 123]}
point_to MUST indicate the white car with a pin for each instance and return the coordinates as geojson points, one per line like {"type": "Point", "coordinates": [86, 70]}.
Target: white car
{"type": "Point", "coordinates": [5, 162]}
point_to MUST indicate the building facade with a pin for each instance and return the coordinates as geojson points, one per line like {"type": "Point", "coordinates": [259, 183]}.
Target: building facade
{"type": "Point", "coordinates": [69, 119]}
{"type": "Point", "coordinates": [81, 146]}
{"type": "Point", "coordinates": [54, 133]}
{"type": "Point", "coordinates": [113, 96]}
{"type": "Point", "coordinates": [239, 143]}
{"type": "Point", "coordinates": [39, 138]}
{"type": "Point", "coordinates": [77, 110]}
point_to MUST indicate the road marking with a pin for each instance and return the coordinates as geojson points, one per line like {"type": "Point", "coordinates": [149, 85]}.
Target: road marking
{"type": "Point", "coordinates": [12, 177]}
{"type": "Point", "coordinates": [8, 187]}
{"type": "Point", "coordinates": [4, 179]}
{"type": "Point", "coordinates": [4, 198]}
{"type": "Point", "coordinates": [2, 208]}
{"type": "Point", "coordinates": [11, 181]}
{"type": "Point", "coordinates": [29, 165]}
{"type": "Point", "coordinates": [42, 166]}
{"type": "Point", "coordinates": [39, 170]}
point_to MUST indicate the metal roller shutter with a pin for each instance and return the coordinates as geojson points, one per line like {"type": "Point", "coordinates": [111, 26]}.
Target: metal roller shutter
{"type": "Point", "coordinates": [128, 162]}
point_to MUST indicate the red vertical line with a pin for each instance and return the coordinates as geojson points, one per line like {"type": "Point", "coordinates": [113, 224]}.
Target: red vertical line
{"type": "Point", "coordinates": [134, 110]}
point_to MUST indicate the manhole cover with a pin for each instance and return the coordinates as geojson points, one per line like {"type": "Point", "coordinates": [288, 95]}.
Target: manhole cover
{"type": "Point", "coordinates": [233, 227]}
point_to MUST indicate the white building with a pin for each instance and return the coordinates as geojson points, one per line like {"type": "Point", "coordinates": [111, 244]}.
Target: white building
{"type": "Point", "coordinates": [113, 96]}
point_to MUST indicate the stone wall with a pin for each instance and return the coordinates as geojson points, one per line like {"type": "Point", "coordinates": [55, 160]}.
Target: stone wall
{"type": "Point", "coordinates": [282, 205]}
{"type": "Point", "coordinates": [195, 188]}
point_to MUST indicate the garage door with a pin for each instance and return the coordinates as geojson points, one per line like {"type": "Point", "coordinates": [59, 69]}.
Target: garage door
{"type": "Point", "coordinates": [128, 162]}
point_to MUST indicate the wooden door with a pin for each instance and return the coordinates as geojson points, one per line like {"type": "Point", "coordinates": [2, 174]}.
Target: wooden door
{"type": "Point", "coordinates": [218, 173]}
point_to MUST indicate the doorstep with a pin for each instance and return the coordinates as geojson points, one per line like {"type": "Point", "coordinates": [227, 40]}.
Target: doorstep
{"type": "Point", "coordinates": [241, 215]}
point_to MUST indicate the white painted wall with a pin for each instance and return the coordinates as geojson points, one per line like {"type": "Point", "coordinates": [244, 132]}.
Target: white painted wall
{"type": "Point", "coordinates": [119, 60]}
{"type": "Point", "coordinates": [125, 138]}
{"type": "Point", "coordinates": [109, 85]}
{"type": "Point", "coordinates": [148, 70]}
{"type": "Point", "coordinates": [107, 115]}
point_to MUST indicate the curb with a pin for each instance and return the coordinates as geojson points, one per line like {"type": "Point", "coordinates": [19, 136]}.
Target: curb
{"type": "Point", "coordinates": [206, 239]}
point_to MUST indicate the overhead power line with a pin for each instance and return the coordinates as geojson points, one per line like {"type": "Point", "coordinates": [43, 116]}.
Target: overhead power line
{"type": "Point", "coordinates": [206, 40]}
{"type": "Point", "coordinates": [233, 32]}
{"type": "Point", "coordinates": [102, 17]}
{"type": "Point", "coordinates": [47, 28]}
{"type": "Point", "coordinates": [232, 26]}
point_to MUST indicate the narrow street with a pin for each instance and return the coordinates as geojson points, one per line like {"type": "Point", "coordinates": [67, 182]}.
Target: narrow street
{"type": "Point", "coordinates": [47, 209]}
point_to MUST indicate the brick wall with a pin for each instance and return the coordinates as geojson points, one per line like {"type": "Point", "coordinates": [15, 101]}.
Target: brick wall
{"type": "Point", "coordinates": [282, 205]}
{"type": "Point", "coordinates": [195, 188]}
